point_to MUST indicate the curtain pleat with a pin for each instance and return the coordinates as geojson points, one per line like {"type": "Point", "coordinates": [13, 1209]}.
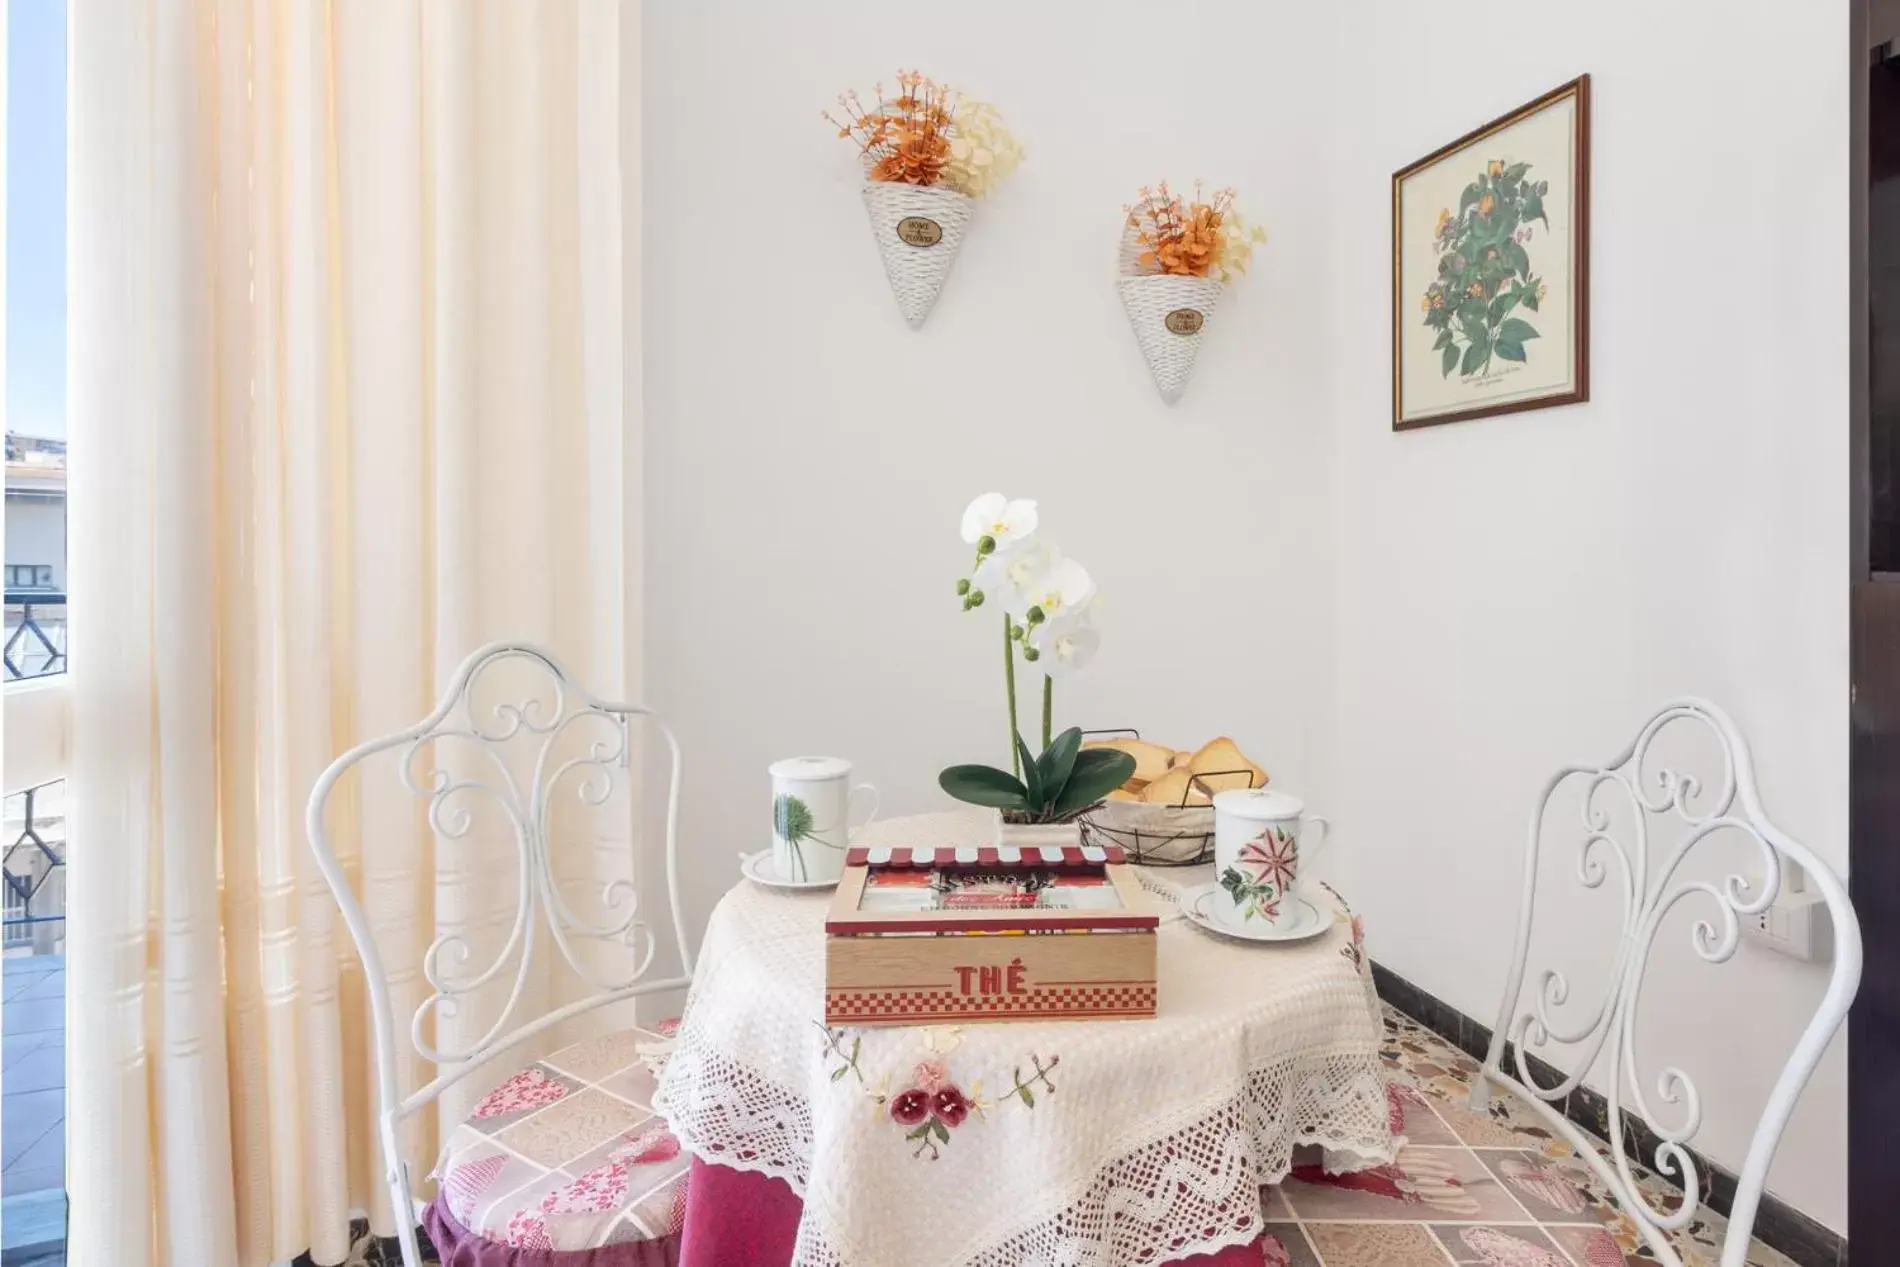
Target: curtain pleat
{"type": "Point", "coordinates": [346, 365]}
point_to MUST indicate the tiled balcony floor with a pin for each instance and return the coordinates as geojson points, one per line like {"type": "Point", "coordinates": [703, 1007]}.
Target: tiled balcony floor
{"type": "Point", "coordinates": [33, 1074]}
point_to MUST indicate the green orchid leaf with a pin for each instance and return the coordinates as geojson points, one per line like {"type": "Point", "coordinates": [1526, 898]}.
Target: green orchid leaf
{"type": "Point", "coordinates": [1509, 349]}
{"type": "Point", "coordinates": [1098, 771]}
{"type": "Point", "coordinates": [1038, 796]}
{"type": "Point", "coordinates": [840, 1072]}
{"type": "Point", "coordinates": [1450, 361]}
{"type": "Point", "coordinates": [1517, 331]}
{"type": "Point", "coordinates": [1444, 341]}
{"type": "Point", "coordinates": [984, 785]}
{"type": "Point", "coordinates": [1055, 765]}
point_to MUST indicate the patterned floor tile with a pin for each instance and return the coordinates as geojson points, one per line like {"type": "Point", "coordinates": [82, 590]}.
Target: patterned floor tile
{"type": "Point", "coordinates": [1374, 1244]}
{"type": "Point", "coordinates": [1284, 1245]}
{"type": "Point", "coordinates": [1496, 1246]}
{"type": "Point", "coordinates": [1424, 1184]}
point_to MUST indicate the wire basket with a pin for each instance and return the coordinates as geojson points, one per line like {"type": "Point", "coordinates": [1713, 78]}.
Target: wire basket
{"type": "Point", "coordinates": [1157, 834]}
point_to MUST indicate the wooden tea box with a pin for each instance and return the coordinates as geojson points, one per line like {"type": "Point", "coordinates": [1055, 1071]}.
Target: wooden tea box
{"type": "Point", "coordinates": [933, 936]}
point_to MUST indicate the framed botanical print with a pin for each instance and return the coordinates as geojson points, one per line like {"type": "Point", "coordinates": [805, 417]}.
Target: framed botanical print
{"type": "Point", "coordinates": [1491, 267]}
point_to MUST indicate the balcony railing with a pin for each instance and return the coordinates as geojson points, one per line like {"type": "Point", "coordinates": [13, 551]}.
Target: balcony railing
{"type": "Point", "coordinates": [36, 634]}
{"type": "Point", "coordinates": [35, 870]}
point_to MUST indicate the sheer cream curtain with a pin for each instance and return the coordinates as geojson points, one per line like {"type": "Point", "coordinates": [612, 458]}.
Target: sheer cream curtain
{"type": "Point", "coordinates": [346, 401]}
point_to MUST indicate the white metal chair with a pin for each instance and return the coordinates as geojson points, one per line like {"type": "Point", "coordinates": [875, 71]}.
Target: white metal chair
{"type": "Point", "coordinates": [531, 730]}
{"type": "Point", "coordinates": [1651, 888]}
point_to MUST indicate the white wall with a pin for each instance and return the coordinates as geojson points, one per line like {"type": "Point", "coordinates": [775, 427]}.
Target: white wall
{"type": "Point", "coordinates": [1410, 629]}
{"type": "Point", "coordinates": [808, 455]}
{"type": "Point", "coordinates": [1516, 593]}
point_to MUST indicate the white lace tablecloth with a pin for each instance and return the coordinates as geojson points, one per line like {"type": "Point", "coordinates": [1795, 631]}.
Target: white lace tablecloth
{"type": "Point", "coordinates": [1082, 1142]}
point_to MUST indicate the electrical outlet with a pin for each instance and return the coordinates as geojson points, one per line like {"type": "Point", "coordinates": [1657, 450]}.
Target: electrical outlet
{"type": "Point", "coordinates": [1794, 924]}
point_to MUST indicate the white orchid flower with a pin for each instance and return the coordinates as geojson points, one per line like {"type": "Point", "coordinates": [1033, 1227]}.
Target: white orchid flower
{"type": "Point", "coordinates": [1013, 575]}
{"type": "Point", "coordinates": [1003, 521]}
{"type": "Point", "coordinates": [1063, 646]}
{"type": "Point", "coordinates": [1062, 589]}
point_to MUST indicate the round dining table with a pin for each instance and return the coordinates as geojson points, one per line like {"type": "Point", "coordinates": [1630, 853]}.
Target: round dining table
{"type": "Point", "coordinates": [1075, 1142]}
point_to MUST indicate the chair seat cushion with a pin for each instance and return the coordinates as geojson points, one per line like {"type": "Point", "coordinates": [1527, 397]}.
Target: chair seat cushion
{"type": "Point", "coordinates": [566, 1154]}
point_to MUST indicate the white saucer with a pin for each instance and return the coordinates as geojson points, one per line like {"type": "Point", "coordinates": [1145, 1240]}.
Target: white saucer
{"type": "Point", "coordinates": [758, 868]}
{"type": "Point", "coordinates": [1310, 922]}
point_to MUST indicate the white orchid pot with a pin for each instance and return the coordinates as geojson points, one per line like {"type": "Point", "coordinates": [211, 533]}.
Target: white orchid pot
{"type": "Point", "coordinates": [1169, 314]}
{"type": "Point", "coordinates": [1036, 835]}
{"type": "Point", "coordinates": [919, 230]}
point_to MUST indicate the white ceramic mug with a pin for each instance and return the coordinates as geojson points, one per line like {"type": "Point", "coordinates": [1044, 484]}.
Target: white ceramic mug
{"type": "Point", "coordinates": [1261, 849]}
{"type": "Point", "coordinates": [811, 806]}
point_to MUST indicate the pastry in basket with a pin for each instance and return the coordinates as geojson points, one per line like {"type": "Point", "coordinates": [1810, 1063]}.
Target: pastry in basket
{"type": "Point", "coordinates": [1220, 765]}
{"type": "Point", "coordinates": [1151, 759]}
{"type": "Point", "coordinates": [1177, 787]}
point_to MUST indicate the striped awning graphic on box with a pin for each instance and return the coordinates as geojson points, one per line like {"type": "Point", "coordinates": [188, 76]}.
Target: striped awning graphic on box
{"type": "Point", "coordinates": [986, 856]}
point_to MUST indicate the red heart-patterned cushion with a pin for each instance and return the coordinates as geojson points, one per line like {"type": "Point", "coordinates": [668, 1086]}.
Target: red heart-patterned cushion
{"type": "Point", "coordinates": [601, 1189]}
{"type": "Point", "coordinates": [465, 1183]}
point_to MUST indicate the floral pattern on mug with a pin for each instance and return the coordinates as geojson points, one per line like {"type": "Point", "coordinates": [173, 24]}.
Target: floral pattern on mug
{"type": "Point", "coordinates": [1262, 874]}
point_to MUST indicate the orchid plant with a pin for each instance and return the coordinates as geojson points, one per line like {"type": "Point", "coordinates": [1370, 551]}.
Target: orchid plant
{"type": "Point", "coordinates": [1048, 602]}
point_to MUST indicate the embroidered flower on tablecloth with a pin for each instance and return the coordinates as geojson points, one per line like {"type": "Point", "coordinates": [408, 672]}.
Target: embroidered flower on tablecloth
{"type": "Point", "coordinates": [932, 1105]}
{"type": "Point", "coordinates": [1355, 949]}
{"type": "Point", "coordinates": [908, 1108]}
{"type": "Point", "coordinates": [529, 1089]}
{"type": "Point", "coordinates": [932, 1076]}
{"type": "Point", "coordinates": [1272, 1252]}
{"type": "Point", "coordinates": [949, 1106]}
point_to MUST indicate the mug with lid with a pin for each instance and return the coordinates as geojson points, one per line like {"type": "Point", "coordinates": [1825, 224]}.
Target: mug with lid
{"type": "Point", "coordinates": [1261, 848]}
{"type": "Point", "coordinates": [811, 802]}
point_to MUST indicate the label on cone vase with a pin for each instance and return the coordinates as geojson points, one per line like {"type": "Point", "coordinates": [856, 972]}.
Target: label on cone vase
{"type": "Point", "coordinates": [1183, 321]}
{"type": "Point", "coordinates": [920, 231]}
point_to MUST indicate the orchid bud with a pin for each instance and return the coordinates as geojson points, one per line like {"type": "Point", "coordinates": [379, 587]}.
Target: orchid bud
{"type": "Point", "coordinates": [963, 587]}
{"type": "Point", "coordinates": [975, 599]}
{"type": "Point", "coordinates": [1031, 654]}
{"type": "Point", "coordinates": [986, 544]}
{"type": "Point", "coordinates": [1034, 616]}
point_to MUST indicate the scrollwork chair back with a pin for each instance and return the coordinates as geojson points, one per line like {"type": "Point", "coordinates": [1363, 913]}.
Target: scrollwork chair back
{"type": "Point", "coordinates": [1651, 888]}
{"type": "Point", "coordinates": [514, 757]}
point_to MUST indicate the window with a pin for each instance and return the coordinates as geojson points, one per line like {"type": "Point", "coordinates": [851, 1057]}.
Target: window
{"type": "Point", "coordinates": [33, 808]}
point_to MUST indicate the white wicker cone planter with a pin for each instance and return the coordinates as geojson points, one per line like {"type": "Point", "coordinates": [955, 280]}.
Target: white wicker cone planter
{"type": "Point", "coordinates": [1169, 313]}
{"type": "Point", "coordinates": [919, 230]}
